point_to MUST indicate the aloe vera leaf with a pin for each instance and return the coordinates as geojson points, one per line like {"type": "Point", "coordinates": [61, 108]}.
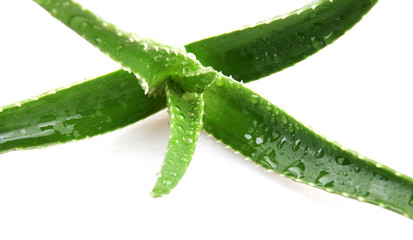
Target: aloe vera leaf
{"type": "Point", "coordinates": [278, 43]}
{"type": "Point", "coordinates": [151, 61]}
{"type": "Point", "coordinates": [186, 111]}
{"type": "Point", "coordinates": [278, 142]}
{"type": "Point", "coordinates": [225, 43]}
{"type": "Point", "coordinates": [75, 112]}
{"type": "Point", "coordinates": [266, 134]}
{"type": "Point", "coordinates": [247, 55]}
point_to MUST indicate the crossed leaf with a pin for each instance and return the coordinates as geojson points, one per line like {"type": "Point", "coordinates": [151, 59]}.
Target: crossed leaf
{"type": "Point", "coordinates": [267, 135]}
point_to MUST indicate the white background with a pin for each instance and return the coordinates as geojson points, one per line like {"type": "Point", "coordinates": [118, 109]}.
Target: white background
{"type": "Point", "coordinates": [357, 92]}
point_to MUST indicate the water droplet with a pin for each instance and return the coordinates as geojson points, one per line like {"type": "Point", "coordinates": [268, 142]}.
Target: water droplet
{"type": "Point", "coordinates": [247, 136]}
{"type": "Point", "coordinates": [296, 145]}
{"type": "Point", "coordinates": [325, 179]}
{"type": "Point", "coordinates": [189, 96]}
{"type": "Point", "coordinates": [319, 153]}
{"type": "Point", "coordinates": [175, 141]}
{"type": "Point", "coordinates": [329, 38]}
{"type": "Point", "coordinates": [357, 169]}
{"type": "Point", "coordinates": [78, 22]}
{"type": "Point", "coordinates": [295, 170]}
{"type": "Point", "coordinates": [268, 163]}
{"type": "Point", "coordinates": [317, 43]}
{"type": "Point", "coordinates": [254, 98]}
{"type": "Point", "coordinates": [342, 161]}
{"type": "Point", "coordinates": [276, 135]}
{"type": "Point", "coordinates": [345, 173]}
{"type": "Point", "coordinates": [259, 140]}
{"type": "Point", "coordinates": [98, 27]}
{"type": "Point", "coordinates": [98, 41]}
{"type": "Point", "coordinates": [187, 140]}
{"type": "Point", "coordinates": [167, 182]}
{"type": "Point", "coordinates": [185, 159]}
{"type": "Point", "coordinates": [54, 11]}
{"type": "Point", "coordinates": [189, 132]}
{"type": "Point", "coordinates": [180, 116]}
{"type": "Point", "coordinates": [300, 36]}
{"type": "Point", "coordinates": [282, 142]}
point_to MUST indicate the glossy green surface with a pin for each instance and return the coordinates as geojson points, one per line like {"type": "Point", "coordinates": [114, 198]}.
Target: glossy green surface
{"type": "Point", "coordinates": [256, 52]}
{"type": "Point", "coordinates": [185, 121]}
{"type": "Point", "coordinates": [278, 142]}
{"type": "Point", "coordinates": [266, 135]}
{"type": "Point", "coordinates": [278, 43]}
{"type": "Point", "coordinates": [75, 112]}
{"type": "Point", "coordinates": [151, 61]}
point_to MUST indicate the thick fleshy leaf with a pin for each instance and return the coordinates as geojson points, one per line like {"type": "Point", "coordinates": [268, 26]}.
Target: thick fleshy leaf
{"type": "Point", "coordinates": [281, 42]}
{"type": "Point", "coordinates": [17, 130]}
{"type": "Point", "coordinates": [186, 111]}
{"type": "Point", "coordinates": [251, 53]}
{"type": "Point", "coordinates": [266, 135]}
{"type": "Point", "coordinates": [151, 61]}
{"type": "Point", "coordinates": [262, 132]}
{"type": "Point", "coordinates": [75, 112]}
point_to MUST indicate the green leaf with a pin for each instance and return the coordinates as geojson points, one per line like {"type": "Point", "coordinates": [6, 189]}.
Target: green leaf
{"type": "Point", "coordinates": [278, 142]}
{"type": "Point", "coordinates": [150, 61]}
{"type": "Point", "coordinates": [75, 112]}
{"type": "Point", "coordinates": [29, 114]}
{"type": "Point", "coordinates": [186, 111]}
{"type": "Point", "coordinates": [278, 43]}
{"type": "Point", "coordinates": [266, 135]}
{"type": "Point", "coordinates": [248, 54]}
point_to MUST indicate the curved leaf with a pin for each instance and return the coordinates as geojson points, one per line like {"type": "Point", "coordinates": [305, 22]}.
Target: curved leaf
{"type": "Point", "coordinates": [151, 61]}
{"type": "Point", "coordinates": [278, 142]}
{"type": "Point", "coordinates": [278, 43]}
{"type": "Point", "coordinates": [186, 111]}
{"type": "Point", "coordinates": [75, 112]}
{"type": "Point", "coordinates": [251, 53]}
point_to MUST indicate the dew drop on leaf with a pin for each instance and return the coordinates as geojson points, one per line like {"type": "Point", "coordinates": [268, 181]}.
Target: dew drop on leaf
{"type": "Point", "coordinates": [342, 161]}
{"type": "Point", "coordinates": [167, 182]}
{"type": "Point", "coordinates": [78, 22]}
{"type": "Point", "coordinates": [295, 170]}
{"type": "Point", "coordinates": [282, 142]}
{"type": "Point", "coordinates": [319, 153]}
{"type": "Point", "coordinates": [325, 179]}
{"type": "Point", "coordinates": [296, 145]}
{"type": "Point", "coordinates": [254, 99]}
{"type": "Point", "coordinates": [317, 43]}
